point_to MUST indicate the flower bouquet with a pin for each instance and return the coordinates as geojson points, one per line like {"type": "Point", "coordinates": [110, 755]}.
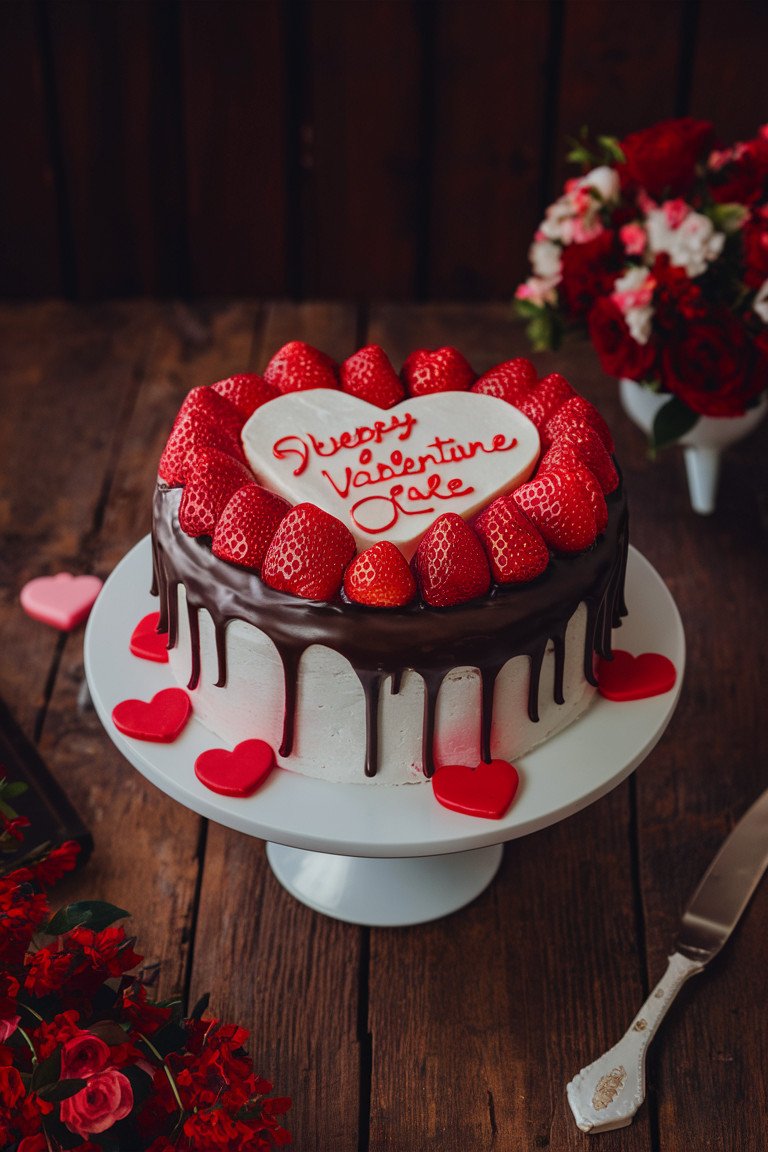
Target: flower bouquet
{"type": "Point", "coordinates": [660, 250]}
{"type": "Point", "coordinates": [88, 1061]}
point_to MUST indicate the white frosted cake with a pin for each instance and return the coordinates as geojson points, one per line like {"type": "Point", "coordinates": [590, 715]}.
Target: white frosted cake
{"type": "Point", "coordinates": [377, 573]}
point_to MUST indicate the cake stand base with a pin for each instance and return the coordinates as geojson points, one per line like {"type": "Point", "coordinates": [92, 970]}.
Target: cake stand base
{"type": "Point", "coordinates": [383, 893]}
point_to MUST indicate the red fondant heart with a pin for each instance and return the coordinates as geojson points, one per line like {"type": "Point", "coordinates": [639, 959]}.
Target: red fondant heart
{"type": "Point", "coordinates": [160, 719]}
{"type": "Point", "coordinates": [236, 773]}
{"type": "Point", "coordinates": [487, 790]}
{"type": "Point", "coordinates": [63, 601]}
{"type": "Point", "coordinates": [628, 677]}
{"type": "Point", "coordinates": [147, 642]}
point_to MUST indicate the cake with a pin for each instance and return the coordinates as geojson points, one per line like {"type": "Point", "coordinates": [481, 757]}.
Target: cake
{"type": "Point", "coordinates": [378, 573]}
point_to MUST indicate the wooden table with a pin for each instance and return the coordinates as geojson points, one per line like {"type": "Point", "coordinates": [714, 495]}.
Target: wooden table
{"type": "Point", "coordinates": [461, 1034]}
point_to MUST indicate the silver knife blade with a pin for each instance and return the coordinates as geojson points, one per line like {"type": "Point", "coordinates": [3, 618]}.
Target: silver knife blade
{"type": "Point", "coordinates": [726, 887]}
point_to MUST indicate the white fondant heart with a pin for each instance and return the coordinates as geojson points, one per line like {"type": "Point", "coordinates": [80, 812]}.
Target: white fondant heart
{"type": "Point", "coordinates": [389, 473]}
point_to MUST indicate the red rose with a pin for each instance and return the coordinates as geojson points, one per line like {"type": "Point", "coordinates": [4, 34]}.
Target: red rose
{"type": "Point", "coordinates": [588, 272]}
{"type": "Point", "coordinates": [676, 298]}
{"type": "Point", "coordinates": [620, 355]}
{"type": "Point", "coordinates": [83, 1056]}
{"type": "Point", "coordinates": [744, 178]}
{"type": "Point", "coordinates": [662, 159]}
{"type": "Point", "coordinates": [712, 366]}
{"type": "Point", "coordinates": [755, 240]}
{"type": "Point", "coordinates": [106, 1098]}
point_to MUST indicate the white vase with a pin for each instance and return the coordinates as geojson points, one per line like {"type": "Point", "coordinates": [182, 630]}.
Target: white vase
{"type": "Point", "coordinates": [702, 445]}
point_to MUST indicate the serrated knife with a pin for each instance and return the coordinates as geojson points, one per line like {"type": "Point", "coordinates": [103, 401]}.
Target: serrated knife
{"type": "Point", "coordinates": [607, 1093]}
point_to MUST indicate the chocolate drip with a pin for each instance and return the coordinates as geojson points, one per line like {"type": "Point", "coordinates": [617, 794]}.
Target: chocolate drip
{"type": "Point", "coordinates": [371, 682]}
{"type": "Point", "coordinates": [488, 676]}
{"type": "Point", "coordinates": [194, 642]}
{"type": "Point", "coordinates": [483, 634]}
{"type": "Point", "coordinates": [432, 684]}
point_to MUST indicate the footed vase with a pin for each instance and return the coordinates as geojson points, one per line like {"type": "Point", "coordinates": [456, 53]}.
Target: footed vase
{"type": "Point", "coordinates": [702, 445]}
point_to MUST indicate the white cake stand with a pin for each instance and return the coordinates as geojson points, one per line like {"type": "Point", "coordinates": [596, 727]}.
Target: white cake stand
{"type": "Point", "coordinates": [385, 856]}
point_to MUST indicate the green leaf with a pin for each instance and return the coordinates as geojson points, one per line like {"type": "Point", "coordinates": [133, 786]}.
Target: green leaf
{"type": "Point", "coordinates": [200, 1007]}
{"type": "Point", "coordinates": [47, 1071]}
{"type": "Point", "coordinates": [727, 218]}
{"type": "Point", "coordinates": [13, 788]}
{"type": "Point", "coordinates": [672, 421]}
{"type": "Point", "coordinates": [612, 151]}
{"type": "Point", "coordinates": [61, 1090]}
{"type": "Point", "coordinates": [96, 914]}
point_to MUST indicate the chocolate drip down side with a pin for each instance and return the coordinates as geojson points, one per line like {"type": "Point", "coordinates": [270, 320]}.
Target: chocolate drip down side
{"type": "Point", "coordinates": [484, 633]}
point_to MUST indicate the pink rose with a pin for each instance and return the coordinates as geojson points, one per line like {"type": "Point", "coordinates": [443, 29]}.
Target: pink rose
{"type": "Point", "coordinates": [106, 1098]}
{"type": "Point", "coordinates": [83, 1056]}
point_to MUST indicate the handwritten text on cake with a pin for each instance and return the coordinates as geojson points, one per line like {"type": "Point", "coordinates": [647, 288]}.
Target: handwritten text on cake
{"type": "Point", "coordinates": [415, 483]}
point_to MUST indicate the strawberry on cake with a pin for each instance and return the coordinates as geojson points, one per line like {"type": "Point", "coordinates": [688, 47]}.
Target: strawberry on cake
{"type": "Point", "coordinates": [379, 572]}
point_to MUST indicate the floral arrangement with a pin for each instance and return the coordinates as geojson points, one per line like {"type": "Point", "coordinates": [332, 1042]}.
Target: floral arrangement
{"type": "Point", "coordinates": [660, 249]}
{"type": "Point", "coordinates": [87, 1060]}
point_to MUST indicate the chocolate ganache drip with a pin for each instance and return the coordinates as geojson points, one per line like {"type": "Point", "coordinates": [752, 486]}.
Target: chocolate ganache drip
{"type": "Point", "coordinates": [484, 633]}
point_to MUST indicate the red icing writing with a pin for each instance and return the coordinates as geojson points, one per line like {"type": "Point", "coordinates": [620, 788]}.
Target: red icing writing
{"type": "Point", "coordinates": [379, 512]}
{"type": "Point", "coordinates": [300, 448]}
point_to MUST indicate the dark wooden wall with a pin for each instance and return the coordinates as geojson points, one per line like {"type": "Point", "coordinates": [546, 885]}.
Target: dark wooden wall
{"type": "Point", "coordinates": [365, 149]}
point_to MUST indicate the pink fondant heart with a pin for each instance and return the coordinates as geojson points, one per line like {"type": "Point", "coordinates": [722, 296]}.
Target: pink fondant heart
{"type": "Point", "coordinates": [62, 601]}
{"type": "Point", "coordinates": [160, 719]}
{"type": "Point", "coordinates": [628, 677]}
{"type": "Point", "coordinates": [487, 790]}
{"type": "Point", "coordinates": [147, 643]}
{"type": "Point", "coordinates": [389, 473]}
{"type": "Point", "coordinates": [236, 773]}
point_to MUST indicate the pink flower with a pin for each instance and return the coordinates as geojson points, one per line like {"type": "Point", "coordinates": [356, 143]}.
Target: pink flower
{"type": "Point", "coordinates": [83, 1056]}
{"type": "Point", "coordinates": [633, 238]}
{"type": "Point", "coordinates": [675, 212]}
{"type": "Point", "coordinates": [7, 1027]}
{"type": "Point", "coordinates": [106, 1098]}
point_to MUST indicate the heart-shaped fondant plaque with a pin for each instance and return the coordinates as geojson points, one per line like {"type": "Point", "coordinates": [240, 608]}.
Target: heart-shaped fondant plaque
{"type": "Point", "coordinates": [389, 473]}
{"type": "Point", "coordinates": [147, 643]}
{"type": "Point", "coordinates": [62, 601]}
{"type": "Point", "coordinates": [486, 790]}
{"type": "Point", "coordinates": [236, 773]}
{"type": "Point", "coordinates": [627, 677]}
{"type": "Point", "coordinates": [160, 719]}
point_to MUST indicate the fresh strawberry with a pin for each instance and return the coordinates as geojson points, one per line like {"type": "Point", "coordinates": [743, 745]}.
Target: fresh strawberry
{"type": "Point", "coordinates": [247, 524]}
{"type": "Point", "coordinates": [440, 370]}
{"type": "Point", "coordinates": [575, 413]}
{"type": "Point", "coordinates": [562, 455]}
{"type": "Point", "coordinates": [515, 548]}
{"type": "Point", "coordinates": [205, 420]}
{"type": "Point", "coordinates": [213, 477]}
{"type": "Point", "coordinates": [308, 554]}
{"type": "Point", "coordinates": [298, 366]}
{"type": "Point", "coordinates": [545, 398]}
{"type": "Point", "coordinates": [370, 376]}
{"type": "Point", "coordinates": [590, 449]}
{"type": "Point", "coordinates": [450, 563]}
{"type": "Point", "coordinates": [558, 504]}
{"type": "Point", "coordinates": [247, 392]}
{"type": "Point", "coordinates": [510, 381]}
{"type": "Point", "coordinates": [380, 577]}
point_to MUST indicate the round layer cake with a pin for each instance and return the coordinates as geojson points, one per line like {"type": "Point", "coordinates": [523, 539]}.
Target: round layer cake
{"type": "Point", "coordinates": [378, 573]}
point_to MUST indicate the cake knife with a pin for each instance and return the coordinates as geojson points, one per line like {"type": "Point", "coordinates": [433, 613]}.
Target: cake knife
{"type": "Point", "coordinates": [607, 1093]}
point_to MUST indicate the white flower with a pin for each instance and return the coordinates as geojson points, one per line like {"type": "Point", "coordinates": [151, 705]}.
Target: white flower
{"type": "Point", "coordinates": [633, 293]}
{"type": "Point", "coordinates": [605, 182]}
{"type": "Point", "coordinates": [545, 258]}
{"type": "Point", "coordinates": [692, 244]}
{"type": "Point", "coordinates": [760, 302]}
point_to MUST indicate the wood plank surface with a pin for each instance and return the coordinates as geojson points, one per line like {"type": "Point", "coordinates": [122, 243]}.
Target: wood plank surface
{"type": "Point", "coordinates": [459, 1034]}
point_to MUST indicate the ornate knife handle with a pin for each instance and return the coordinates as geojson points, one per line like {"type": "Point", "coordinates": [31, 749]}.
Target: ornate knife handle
{"type": "Point", "coordinates": [607, 1093]}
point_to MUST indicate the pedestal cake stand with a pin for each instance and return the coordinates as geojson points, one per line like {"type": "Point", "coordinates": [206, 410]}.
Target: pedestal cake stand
{"type": "Point", "coordinates": [385, 856]}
